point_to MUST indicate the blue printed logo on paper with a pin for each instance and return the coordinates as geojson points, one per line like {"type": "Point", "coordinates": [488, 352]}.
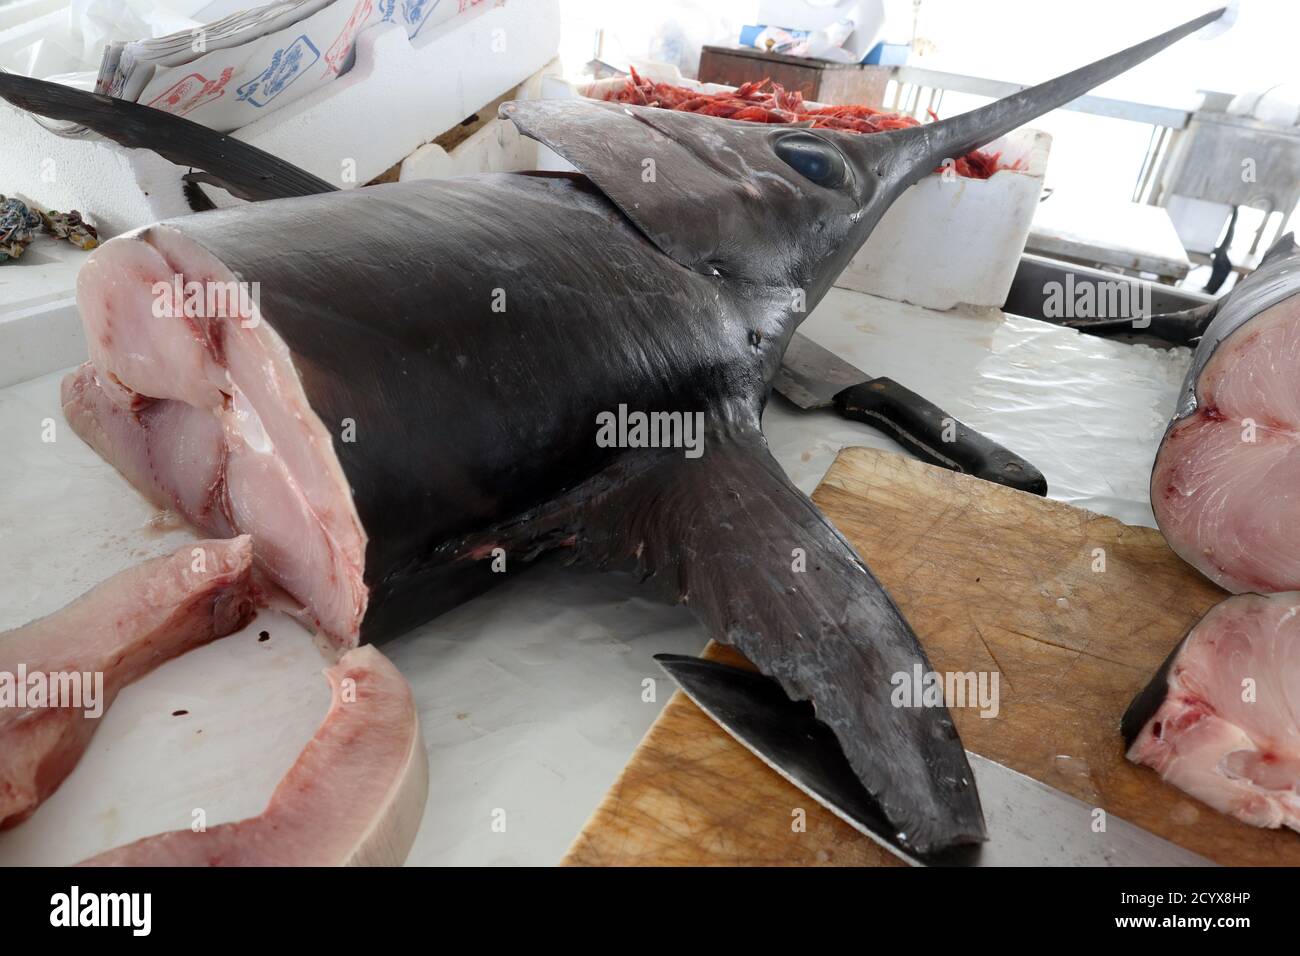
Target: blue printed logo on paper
{"type": "Point", "coordinates": [286, 65]}
{"type": "Point", "coordinates": [410, 13]}
{"type": "Point", "coordinates": [414, 13]}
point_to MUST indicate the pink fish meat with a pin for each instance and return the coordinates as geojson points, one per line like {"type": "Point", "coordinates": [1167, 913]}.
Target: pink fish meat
{"type": "Point", "coordinates": [111, 635]}
{"type": "Point", "coordinates": [1221, 719]}
{"type": "Point", "coordinates": [1225, 488]}
{"type": "Point", "coordinates": [354, 796]}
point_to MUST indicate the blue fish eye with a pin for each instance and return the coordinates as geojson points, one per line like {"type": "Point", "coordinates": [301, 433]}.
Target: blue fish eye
{"type": "Point", "coordinates": [813, 158]}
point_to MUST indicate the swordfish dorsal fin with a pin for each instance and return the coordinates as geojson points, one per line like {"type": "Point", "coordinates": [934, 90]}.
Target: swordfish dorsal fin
{"type": "Point", "coordinates": [730, 537]}
{"type": "Point", "coordinates": [713, 195]}
{"type": "Point", "coordinates": [242, 170]}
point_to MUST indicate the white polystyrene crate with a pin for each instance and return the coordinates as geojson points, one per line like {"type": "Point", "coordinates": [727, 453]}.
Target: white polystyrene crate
{"type": "Point", "coordinates": [943, 243]}
{"type": "Point", "coordinates": [946, 243]}
{"type": "Point", "coordinates": [40, 330]}
{"type": "Point", "coordinates": [496, 147]}
{"type": "Point", "coordinates": [398, 96]}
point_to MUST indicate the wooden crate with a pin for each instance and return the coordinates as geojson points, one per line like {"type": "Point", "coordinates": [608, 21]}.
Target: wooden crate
{"type": "Point", "coordinates": [819, 80]}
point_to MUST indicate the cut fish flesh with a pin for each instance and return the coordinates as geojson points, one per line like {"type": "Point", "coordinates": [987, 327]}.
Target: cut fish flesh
{"type": "Point", "coordinates": [116, 632]}
{"type": "Point", "coordinates": [1221, 719]}
{"type": "Point", "coordinates": [1225, 488]}
{"type": "Point", "coordinates": [355, 795]}
{"type": "Point", "coordinates": [202, 409]}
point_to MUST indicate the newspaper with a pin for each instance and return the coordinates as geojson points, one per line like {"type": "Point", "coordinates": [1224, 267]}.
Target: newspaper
{"type": "Point", "coordinates": [231, 72]}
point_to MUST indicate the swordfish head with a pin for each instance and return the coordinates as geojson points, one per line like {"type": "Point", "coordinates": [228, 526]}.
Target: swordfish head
{"type": "Point", "coordinates": [780, 206]}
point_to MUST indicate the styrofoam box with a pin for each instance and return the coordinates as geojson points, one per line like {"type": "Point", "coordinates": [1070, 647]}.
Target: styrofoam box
{"type": "Point", "coordinates": [397, 96]}
{"type": "Point", "coordinates": [945, 242]}
{"type": "Point", "coordinates": [496, 147]}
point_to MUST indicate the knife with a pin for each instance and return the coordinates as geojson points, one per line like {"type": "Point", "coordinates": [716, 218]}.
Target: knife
{"type": "Point", "coordinates": [1028, 822]}
{"type": "Point", "coordinates": [813, 377]}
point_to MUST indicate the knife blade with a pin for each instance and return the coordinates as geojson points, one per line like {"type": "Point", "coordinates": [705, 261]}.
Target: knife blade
{"type": "Point", "coordinates": [814, 377]}
{"type": "Point", "coordinates": [1029, 823]}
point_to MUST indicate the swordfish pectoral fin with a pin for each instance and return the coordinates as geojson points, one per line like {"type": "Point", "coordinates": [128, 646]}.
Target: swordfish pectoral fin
{"type": "Point", "coordinates": [729, 536]}
{"type": "Point", "coordinates": [242, 170]}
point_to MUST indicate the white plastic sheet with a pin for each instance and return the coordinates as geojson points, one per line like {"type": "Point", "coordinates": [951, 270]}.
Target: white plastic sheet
{"type": "Point", "coordinates": [1087, 411]}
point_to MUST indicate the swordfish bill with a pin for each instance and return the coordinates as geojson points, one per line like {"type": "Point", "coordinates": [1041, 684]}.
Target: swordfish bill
{"type": "Point", "coordinates": [423, 393]}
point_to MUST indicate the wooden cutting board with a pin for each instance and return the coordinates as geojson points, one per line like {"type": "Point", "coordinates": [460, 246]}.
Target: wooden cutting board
{"type": "Point", "coordinates": [991, 580]}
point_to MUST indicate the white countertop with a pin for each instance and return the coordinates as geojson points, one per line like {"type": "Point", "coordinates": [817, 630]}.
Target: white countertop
{"type": "Point", "coordinates": [531, 695]}
{"type": "Point", "coordinates": [1132, 236]}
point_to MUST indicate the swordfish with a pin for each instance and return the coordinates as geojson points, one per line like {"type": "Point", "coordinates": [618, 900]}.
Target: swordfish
{"type": "Point", "coordinates": [418, 400]}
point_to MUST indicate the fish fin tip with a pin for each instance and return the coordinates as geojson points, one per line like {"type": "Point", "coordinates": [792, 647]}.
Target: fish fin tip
{"type": "Point", "coordinates": [243, 170]}
{"type": "Point", "coordinates": [728, 534]}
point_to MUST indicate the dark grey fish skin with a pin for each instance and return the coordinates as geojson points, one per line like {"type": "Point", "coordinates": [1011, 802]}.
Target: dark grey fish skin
{"type": "Point", "coordinates": [1148, 700]}
{"type": "Point", "coordinates": [476, 428]}
{"type": "Point", "coordinates": [247, 172]}
{"type": "Point", "coordinates": [1184, 327]}
{"type": "Point", "coordinates": [1277, 278]}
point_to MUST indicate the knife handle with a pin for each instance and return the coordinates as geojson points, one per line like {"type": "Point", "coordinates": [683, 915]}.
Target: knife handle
{"type": "Point", "coordinates": [934, 435]}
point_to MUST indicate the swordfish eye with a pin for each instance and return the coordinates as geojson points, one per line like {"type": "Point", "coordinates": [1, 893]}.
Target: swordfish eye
{"type": "Point", "coordinates": [814, 159]}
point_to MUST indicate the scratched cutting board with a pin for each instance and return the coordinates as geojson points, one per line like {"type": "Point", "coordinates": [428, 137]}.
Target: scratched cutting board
{"type": "Point", "coordinates": [991, 579]}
